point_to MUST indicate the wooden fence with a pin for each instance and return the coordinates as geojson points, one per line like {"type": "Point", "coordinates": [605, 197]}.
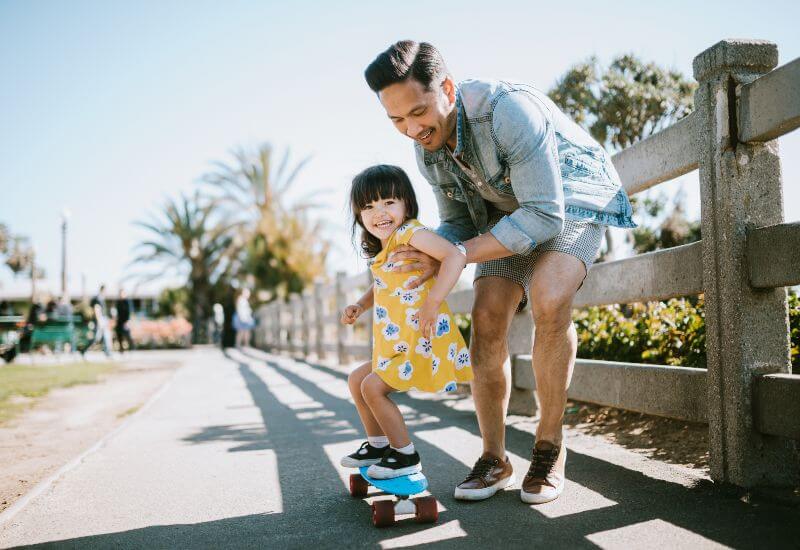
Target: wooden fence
{"type": "Point", "coordinates": [746, 259]}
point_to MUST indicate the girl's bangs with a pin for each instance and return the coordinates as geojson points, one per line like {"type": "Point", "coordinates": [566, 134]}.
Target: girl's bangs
{"type": "Point", "coordinates": [367, 191]}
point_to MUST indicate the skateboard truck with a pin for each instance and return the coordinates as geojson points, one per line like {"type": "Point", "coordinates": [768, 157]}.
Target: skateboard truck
{"type": "Point", "coordinates": [425, 508]}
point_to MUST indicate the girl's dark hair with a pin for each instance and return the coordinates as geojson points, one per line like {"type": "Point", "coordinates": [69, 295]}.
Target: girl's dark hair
{"type": "Point", "coordinates": [418, 60]}
{"type": "Point", "coordinates": [382, 181]}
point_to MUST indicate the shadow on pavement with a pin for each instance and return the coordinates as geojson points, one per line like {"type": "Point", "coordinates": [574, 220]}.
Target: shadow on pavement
{"type": "Point", "coordinates": [318, 511]}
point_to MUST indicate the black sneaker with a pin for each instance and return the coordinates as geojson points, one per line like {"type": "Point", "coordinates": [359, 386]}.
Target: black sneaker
{"type": "Point", "coordinates": [366, 455]}
{"type": "Point", "coordinates": [395, 464]}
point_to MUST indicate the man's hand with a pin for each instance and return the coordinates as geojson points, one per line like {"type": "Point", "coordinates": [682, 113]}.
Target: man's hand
{"type": "Point", "coordinates": [351, 313]}
{"type": "Point", "coordinates": [414, 260]}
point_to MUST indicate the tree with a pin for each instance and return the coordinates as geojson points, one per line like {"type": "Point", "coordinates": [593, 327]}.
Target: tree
{"type": "Point", "coordinates": [623, 104]}
{"type": "Point", "coordinates": [20, 257]}
{"type": "Point", "coordinates": [189, 239]}
{"type": "Point", "coordinates": [284, 249]}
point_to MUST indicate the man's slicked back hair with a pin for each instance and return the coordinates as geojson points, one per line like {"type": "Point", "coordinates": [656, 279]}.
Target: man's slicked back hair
{"type": "Point", "coordinates": [406, 59]}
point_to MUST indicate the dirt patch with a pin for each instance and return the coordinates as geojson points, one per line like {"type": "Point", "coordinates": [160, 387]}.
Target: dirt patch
{"type": "Point", "coordinates": [58, 427]}
{"type": "Point", "coordinates": [672, 441]}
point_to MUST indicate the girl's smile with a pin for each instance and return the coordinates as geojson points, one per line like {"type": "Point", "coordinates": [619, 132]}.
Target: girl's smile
{"type": "Point", "coordinates": [383, 216]}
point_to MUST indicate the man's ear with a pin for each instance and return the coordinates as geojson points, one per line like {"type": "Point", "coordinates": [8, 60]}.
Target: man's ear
{"type": "Point", "coordinates": [449, 89]}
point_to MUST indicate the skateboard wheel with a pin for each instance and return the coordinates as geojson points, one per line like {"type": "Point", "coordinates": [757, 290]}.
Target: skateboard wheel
{"type": "Point", "coordinates": [383, 513]}
{"type": "Point", "coordinates": [358, 486]}
{"type": "Point", "coordinates": [427, 510]}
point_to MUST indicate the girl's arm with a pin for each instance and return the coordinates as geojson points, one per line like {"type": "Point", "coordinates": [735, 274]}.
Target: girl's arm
{"type": "Point", "coordinates": [354, 311]}
{"type": "Point", "coordinates": [453, 262]}
{"type": "Point", "coordinates": [367, 299]}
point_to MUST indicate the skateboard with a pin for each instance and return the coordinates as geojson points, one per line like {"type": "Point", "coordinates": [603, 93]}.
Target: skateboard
{"type": "Point", "coordinates": [425, 509]}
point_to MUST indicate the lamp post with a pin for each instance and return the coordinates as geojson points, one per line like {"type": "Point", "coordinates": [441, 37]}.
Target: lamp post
{"type": "Point", "coordinates": [65, 215]}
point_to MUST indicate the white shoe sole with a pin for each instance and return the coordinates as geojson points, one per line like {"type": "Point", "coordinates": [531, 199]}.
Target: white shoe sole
{"type": "Point", "coordinates": [378, 472]}
{"type": "Point", "coordinates": [541, 498]}
{"type": "Point", "coordinates": [350, 462]}
{"type": "Point", "coordinates": [486, 492]}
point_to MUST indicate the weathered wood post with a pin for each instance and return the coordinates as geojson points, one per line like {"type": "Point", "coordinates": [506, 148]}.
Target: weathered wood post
{"type": "Point", "coordinates": [341, 330]}
{"type": "Point", "coordinates": [319, 319]}
{"type": "Point", "coordinates": [277, 326]}
{"type": "Point", "coordinates": [747, 329]}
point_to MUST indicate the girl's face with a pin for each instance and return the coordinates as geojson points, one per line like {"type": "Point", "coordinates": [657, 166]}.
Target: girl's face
{"type": "Point", "coordinates": [381, 217]}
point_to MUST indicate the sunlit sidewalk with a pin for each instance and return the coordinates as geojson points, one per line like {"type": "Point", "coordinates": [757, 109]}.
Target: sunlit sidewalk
{"type": "Point", "coordinates": [243, 450]}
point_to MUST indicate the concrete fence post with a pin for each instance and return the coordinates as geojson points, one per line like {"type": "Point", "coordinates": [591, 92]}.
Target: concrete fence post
{"type": "Point", "coordinates": [307, 304]}
{"type": "Point", "coordinates": [746, 329]}
{"type": "Point", "coordinates": [319, 319]}
{"type": "Point", "coordinates": [297, 325]}
{"type": "Point", "coordinates": [277, 325]}
{"type": "Point", "coordinates": [341, 330]}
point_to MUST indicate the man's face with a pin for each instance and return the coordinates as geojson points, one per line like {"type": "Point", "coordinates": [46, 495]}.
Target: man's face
{"type": "Point", "coordinates": [426, 116]}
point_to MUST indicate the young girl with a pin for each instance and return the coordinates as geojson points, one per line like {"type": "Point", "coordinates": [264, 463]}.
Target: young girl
{"type": "Point", "coordinates": [416, 344]}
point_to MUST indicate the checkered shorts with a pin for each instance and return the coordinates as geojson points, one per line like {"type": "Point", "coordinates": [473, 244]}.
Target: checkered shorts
{"type": "Point", "coordinates": [579, 238]}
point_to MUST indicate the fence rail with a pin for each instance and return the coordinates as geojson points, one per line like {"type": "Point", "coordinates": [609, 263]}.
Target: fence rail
{"type": "Point", "coordinates": [746, 258]}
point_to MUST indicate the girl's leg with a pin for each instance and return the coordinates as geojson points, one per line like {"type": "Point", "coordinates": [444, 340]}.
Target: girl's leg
{"type": "Point", "coordinates": [376, 394]}
{"type": "Point", "coordinates": [354, 381]}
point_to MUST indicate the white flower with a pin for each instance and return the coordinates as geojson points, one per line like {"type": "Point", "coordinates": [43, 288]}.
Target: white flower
{"type": "Point", "coordinates": [409, 297]}
{"type": "Point", "coordinates": [442, 324]}
{"type": "Point", "coordinates": [391, 331]}
{"type": "Point", "coordinates": [404, 370]}
{"type": "Point", "coordinates": [387, 266]}
{"type": "Point", "coordinates": [383, 364]}
{"type": "Point", "coordinates": [435, 364]}
{"type": "Point", "coordinates": [451, 352]}
{"type": "Point", "coordinates": [424, 347]}
{"type": "Point", "coordinates": [401, 347]}
{"type": "Point", "coordinates": [381, 315]}
{"type": "Point", "coordinates": [450, 386]}
{"type": "Point", "coordinates": [403, 228]}
{"type": "Point", "coordinates": [379, 283]}
{"type": "Point", "coordinates": [410, 319]}
{"type": "Point", "coordinates": [462, 360]}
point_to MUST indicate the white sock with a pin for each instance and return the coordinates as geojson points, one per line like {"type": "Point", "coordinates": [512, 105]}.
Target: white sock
{"type": "Point", "coordinates": [407, 450]}
{"type": "Point", "coordinates": [379, 442]}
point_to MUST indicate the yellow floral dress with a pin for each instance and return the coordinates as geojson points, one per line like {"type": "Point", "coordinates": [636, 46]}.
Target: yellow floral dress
{"type": "Point", "coordinates": [401, 355]}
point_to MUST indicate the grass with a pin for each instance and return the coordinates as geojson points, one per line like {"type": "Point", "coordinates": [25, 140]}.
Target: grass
{"type": "Point", "coordinates": [20, 384]}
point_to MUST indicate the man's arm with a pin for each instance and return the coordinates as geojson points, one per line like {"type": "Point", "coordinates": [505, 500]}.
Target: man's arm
{"type": "Point", "coordinates": [526, 139]}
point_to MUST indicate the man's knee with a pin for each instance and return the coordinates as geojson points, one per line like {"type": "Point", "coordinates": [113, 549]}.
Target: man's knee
{"type": "Point", "coordinates": [552, 308]}
{"type": "Point", "coordinates": [489, 326]}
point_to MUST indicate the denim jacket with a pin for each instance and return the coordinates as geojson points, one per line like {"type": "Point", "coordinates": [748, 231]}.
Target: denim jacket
{"type": "Point", "coordinates": [523, 146]}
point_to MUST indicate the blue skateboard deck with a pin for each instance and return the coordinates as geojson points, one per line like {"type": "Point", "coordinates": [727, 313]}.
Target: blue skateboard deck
{"type": "Point", "coordinates": [402, 486]}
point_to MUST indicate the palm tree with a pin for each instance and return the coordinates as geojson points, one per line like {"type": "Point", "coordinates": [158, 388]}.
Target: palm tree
{"type": "Point", "coordinates": [285, 248]}
{"type": "Point", "coordinates": [187, 238]}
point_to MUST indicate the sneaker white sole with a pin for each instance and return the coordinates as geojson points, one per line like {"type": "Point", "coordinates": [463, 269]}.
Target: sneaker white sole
{"type": "Point", "coordinates": [379, 472]}
{"type": "Point", "coordinates": [544, 496]}
{"type": "Point", "coordinates": [486, 492]}
{"type": "Point", "coordinates": [350, 462]}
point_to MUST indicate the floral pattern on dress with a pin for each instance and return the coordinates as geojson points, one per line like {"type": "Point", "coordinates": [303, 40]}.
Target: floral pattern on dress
{"type": "Point", "coordinates": [403, 357]}
{"type": "Point", "coordinates": [391, 331]}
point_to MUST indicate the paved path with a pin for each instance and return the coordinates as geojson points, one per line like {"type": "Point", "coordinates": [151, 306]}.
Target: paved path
{"type": "Point", "coordinates": [242, 451]}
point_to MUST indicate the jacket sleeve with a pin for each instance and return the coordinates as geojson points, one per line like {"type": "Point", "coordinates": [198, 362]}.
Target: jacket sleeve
{"type": "Point", "coordinates": [525, 137]}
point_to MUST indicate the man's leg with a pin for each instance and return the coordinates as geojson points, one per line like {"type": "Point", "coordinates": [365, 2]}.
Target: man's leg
{"type": "Point", "coordinates": [557, 277]}
{"type": "Point", "coordinates": [496, 300]}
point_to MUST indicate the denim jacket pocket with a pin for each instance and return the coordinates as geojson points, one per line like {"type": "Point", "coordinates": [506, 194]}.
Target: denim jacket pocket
{"type": "Point", "coordinates": [585, 168]}
{"type": "Point", "coordinates": [453, 192]}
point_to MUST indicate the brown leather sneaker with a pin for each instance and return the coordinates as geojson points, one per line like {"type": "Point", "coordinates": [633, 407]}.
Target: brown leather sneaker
{"type": "Point", "coordinates": [489, 475]}
{"type": "Point", "coordinates": [545, 479]}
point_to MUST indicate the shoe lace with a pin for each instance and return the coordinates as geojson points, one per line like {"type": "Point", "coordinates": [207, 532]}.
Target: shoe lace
{"type": "Point", "coordinates": [542, 462]}
{"type": "Point", "coordinates": [481, 469]}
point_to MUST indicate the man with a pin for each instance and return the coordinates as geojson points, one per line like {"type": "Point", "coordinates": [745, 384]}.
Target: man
{"type": "Point", "coordinates": [527, 192]}
{"type": "Point", "coordinates": [122, 322]}
{"type": "Point", "coordinates": [101, 325]}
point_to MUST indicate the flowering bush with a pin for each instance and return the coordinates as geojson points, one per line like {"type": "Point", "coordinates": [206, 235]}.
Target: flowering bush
{"type": "Point", "coordinates": [661, 333]}
{"type": "Point", "coordinates": [162, 333]}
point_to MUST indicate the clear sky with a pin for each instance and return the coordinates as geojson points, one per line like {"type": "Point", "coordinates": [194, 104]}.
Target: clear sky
{"type": "Point", "coordinates": [107, 108]}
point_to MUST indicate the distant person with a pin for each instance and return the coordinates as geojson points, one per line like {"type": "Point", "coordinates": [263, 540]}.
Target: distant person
{"type": "Point", "coordinates": [123, 321]}
{"type": "Point", "coordinates": [219, 323]}
{"type": "Point", "coordinates": [102, 330]}
{"type": "Point", "coordinates": [243, 321]}
{"type": "Point", "coordinates": [6, 309]}
{"type": "Point", "coordinates": [36, 316]}
{"type": "Point", "coordinates": [64, 308]}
